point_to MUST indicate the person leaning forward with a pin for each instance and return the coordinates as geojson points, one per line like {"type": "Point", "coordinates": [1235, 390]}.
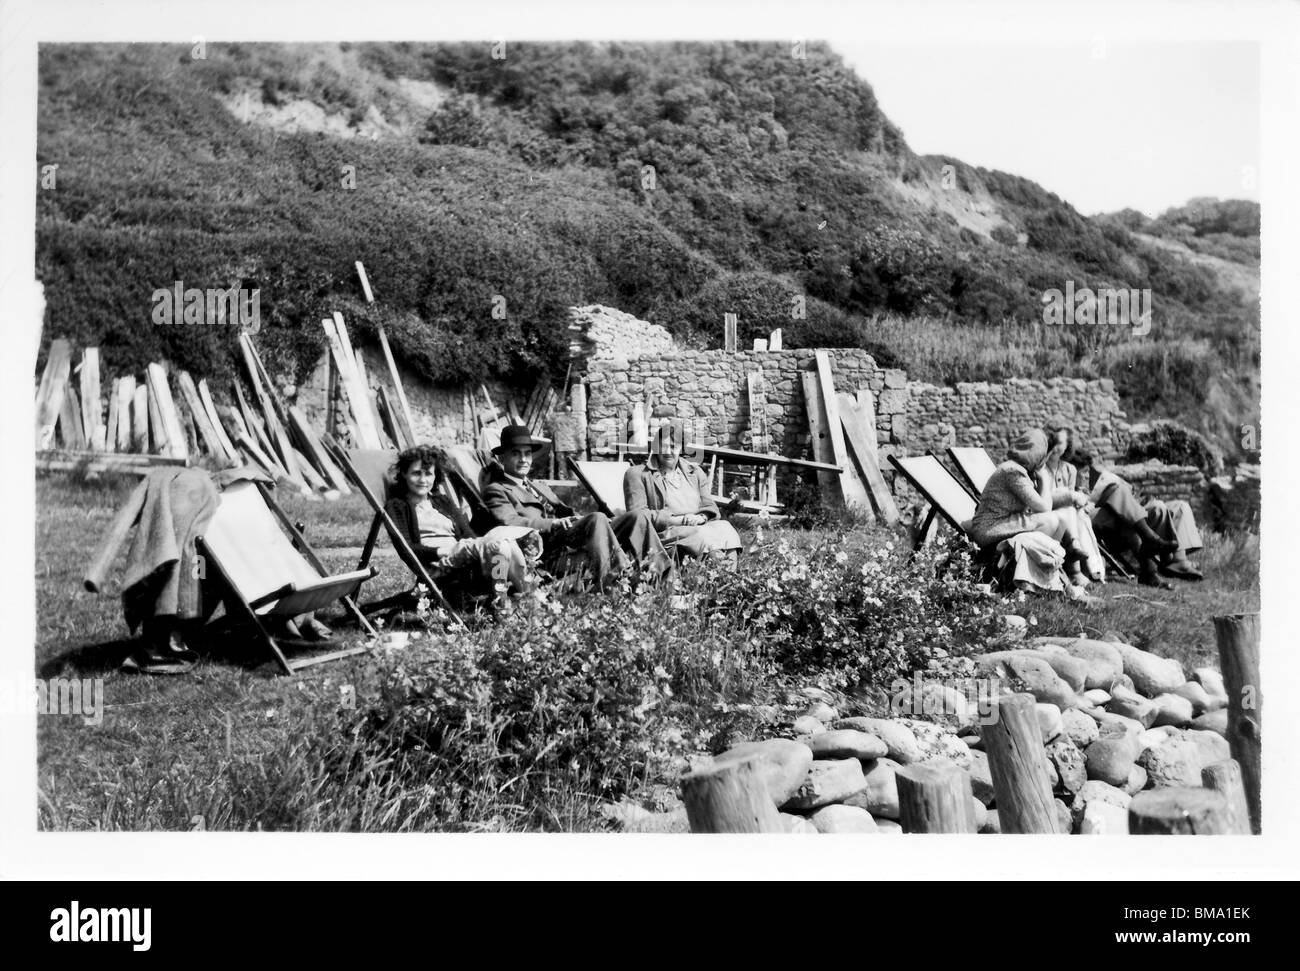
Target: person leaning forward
{"type": "Point", "coordinates": [594, 541]}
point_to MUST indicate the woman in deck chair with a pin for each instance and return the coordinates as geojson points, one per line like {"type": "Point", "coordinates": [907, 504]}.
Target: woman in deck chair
{"type": "Point", "coordinates": [1066, 494]}
{"type": "Point", "coordinates": [1159, 533]}
{"type": "Point", "coordinates": [1018, 500]}
{"type": "Point", "coordinates": [437, 527]}
{"type": "Point", "coordinates": [676, 492]}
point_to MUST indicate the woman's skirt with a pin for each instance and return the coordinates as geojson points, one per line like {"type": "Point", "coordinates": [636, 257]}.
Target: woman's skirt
{"type": "Point", "coordinates": [716, 536]}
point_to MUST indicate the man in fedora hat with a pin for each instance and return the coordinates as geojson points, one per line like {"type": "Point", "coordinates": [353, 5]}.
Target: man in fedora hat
{"type": "Point", "coordinates": [595, 540]}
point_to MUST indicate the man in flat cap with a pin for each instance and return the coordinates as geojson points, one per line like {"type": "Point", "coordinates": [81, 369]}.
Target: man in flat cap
{"type": "Point", "coordinates": [594, 541]}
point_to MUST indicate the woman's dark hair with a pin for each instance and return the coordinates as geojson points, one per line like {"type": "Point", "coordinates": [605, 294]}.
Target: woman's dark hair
{"type": "Point", "coordinates": [1052, 429]}
{"type": "Point", "coordinates": [427, 455]}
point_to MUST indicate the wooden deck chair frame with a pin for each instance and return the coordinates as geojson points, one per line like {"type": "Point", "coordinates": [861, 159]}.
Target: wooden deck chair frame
{"type": "Point", "coordinates": [382, 519]}
{"type": "Point", "coordinates": [602, 500]}
{"type": "Point", "coordinates": [290, 599]}
{"type": "Point", "coordinates": [936, 507]}
{"type": "Point", "coordinates": [954, 454]}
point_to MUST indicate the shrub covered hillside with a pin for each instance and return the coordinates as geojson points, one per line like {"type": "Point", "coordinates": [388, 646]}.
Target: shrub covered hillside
{"type": "Point", "coordinates": [674, 181]}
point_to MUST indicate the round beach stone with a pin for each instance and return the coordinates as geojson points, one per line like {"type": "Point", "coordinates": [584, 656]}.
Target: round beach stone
{"type": "Point", "coordinates": [1079, 728]}
{"type": "Point", "coordinates": [879, 796]}
{"type": "Point", "coordinates": [843, 819]}
{"type": "Point", "coordinates": [1152, 675]}
{"type": "Point", "coordinates": [1062, 816]}
{"type": "Point", "coordinates": [1072, 670]}
{"type": "Point", "coordinates": [1137, 781]}
{"type": "Point", "coordinates": [980, 813]}
{"type": "Point", "coordinates": [797, 824]}
{"type": "Point", "coordinates": [1172, 709]}
{"type": "Point", "coordinates": [827, 781]}
{"type": "Point", "coordinates": [1130, 704]}
{"type": "Point", "coordinates": [890, 826]}
{"type": "Point", "coordinates": [991, 823]}
{"type": "Point", "coordinates": [898, 738]}
{"type": "Point", "coordinates": [1071, 765]}
{"type": "Point", "coordinates": [808, 725]}
{"type": "Point", "coordinates": [1097, 791]}
{"type": "Point", "coordinates": [1096, 696]}
{"type": "Point", "coordinates": [1212, 681]}
{"type": "Point", "coordinates": [785, 764]}
{"type": "Point", "coordinates": [822, 712]}
{"type": "Point", "coordinates": [1104, 819]}
{"type": "Point", "coordinates": [981, 778]}
{"type": "Point", "coordinates": [1175, 763]}
{"type": "Point", "coordinates": [1049, 720]}
{"type": "Point", "coordinates": [1110, 760]}
{"type": "Point", "coordinates": [1198, 696]}
{"type": "Point", "coordinates": [1213, 746]}
{"type": "Point", "coordinates": [1031, 669]}
{"type": "Point", "coordinates": [1110, 725]}
{"type": "Point", "coordinates": [1213, 721]}
{"type": "Point", "coordinates": [847, 743]}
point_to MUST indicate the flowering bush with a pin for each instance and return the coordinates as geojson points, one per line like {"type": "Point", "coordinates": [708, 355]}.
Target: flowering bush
{"type": "Point", "coordinates": [852, 614]}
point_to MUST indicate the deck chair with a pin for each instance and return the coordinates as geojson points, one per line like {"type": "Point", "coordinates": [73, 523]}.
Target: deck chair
{"type": "Point", "coordinates": [263, 574]}
{"type": "Point", "coordinates": [946, 496]}
{"type": "Point", "coordinates": [604, 481]}
{"type": "Point", "coordinates": [976, 465]}
{"type": "Point", "coordinates": [367, 469]}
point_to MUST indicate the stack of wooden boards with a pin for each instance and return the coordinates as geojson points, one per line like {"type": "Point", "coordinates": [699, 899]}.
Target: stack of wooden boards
{"type": "Point", "coordinates": [145, 423]}
{"type": "Point", "coordinates": [843, 430]}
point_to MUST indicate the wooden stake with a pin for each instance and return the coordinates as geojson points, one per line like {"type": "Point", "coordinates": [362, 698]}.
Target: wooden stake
{"type": "Point", "coordinates": [855, 492]}
{"type": "Point", "coordinates": [50, 395]}
{"type": "Point", "coordinates": [210, 409]}
{"type": "Point", "coordinates": [730, 796]}
{"type": "Point", "coordinates": [125, 397]}
{"type": "Point", "coordinates": [161, 395]}
{"type": "Point", "coordinates": [828, 482]}
{"type": "Point", "coordinates": [92, 406]}
{"type": "Point", "coordinates": [1018, 764]}
{"type": "Point", "coordinates": [1238, 640]}
{"type": "Point", "coordinates": [730, 325]}
{"type": "Point", "coordinates": [774, 341]}
{"type": "Point", "coordinates": [110, 428]}
{"type": "Point", "coordinates": [1174, 811]}
{"type": "Point", "coordinates": [861, 440]}
{"type": "Point", "coordinates": [1225, 778]}
{"type": "Point", "coordinates": [74, 436]}
{"type": "Point", "coordinates": [140, 412]}
{"type": "Point", "coordinates": [202, 424]}
{"type": "Point", "coordinates": [935, 797]}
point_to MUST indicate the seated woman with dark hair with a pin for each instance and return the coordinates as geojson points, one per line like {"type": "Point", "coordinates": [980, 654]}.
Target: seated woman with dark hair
{"type": "Point", "coordinates": [1066, 493]}
{"type": "Point", "coordinates": [1159, 533]}
{"type": "Point", "coordinates": [676, 492]}
{"type": "Point", "coordinates": [1018, 499]}
{"type": "Point", "coordinates": [437, 526]}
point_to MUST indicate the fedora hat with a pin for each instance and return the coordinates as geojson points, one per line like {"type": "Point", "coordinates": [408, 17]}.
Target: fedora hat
{"type": "Point", "coordinates": [516, 436]}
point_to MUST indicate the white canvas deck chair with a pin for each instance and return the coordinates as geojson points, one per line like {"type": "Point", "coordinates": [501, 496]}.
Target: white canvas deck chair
{"type": "Point", "coordinates": [604, 481]}
{"type": "Point", "coordinates": [945, 495]}
{"type": "Point", "coordinates": [264, 575]}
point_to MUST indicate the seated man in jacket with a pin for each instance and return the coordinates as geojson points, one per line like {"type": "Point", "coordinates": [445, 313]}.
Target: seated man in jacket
{"type": "Point", "coordinates": [593, 541]}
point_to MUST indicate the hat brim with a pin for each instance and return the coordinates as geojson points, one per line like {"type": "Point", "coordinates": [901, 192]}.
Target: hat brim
{"type": "Point", "coordinates": [533, 444]}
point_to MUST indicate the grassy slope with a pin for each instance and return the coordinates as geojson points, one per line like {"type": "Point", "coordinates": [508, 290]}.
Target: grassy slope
{"type": "Point", "coordinates": [238, 745]}
{"type": "Point", "coordinates": [773, 177]}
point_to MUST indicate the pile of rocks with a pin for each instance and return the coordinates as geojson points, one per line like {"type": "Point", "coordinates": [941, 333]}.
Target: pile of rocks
{"type": "Point", "coordinates": [605, 333]}
{"type": "Point", "coordinates": [1114, 720]}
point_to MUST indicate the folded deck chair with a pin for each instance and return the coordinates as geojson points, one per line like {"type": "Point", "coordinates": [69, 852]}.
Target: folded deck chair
{"type": "Point", "coordinates": [604, 481]}
{"type": "Point", "coordinates": [263, 574]}
{"type": "Point", "coordinates": [976, 465]}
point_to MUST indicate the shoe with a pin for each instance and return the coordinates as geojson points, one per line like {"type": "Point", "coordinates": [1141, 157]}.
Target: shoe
{"type": "Point", "coordinates": [1149, 578]}
{"type": "Point", "coordinates": [314, 630]}
{"type": "Point", "coordinates": [1182, 571]}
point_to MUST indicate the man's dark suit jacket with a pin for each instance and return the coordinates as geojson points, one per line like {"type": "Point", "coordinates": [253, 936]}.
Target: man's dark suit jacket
{"type": "Point", "coordinates": [514, 505]}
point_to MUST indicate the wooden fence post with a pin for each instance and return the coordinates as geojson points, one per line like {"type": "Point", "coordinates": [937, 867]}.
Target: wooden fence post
{"type": "Point", "coordinates": [730, 796]}
{"type": "Point", "coordinates": [1225, 778]}
{"type": "Point", "coordinates": [935, 797]}
{"type": "Point", "coordinates": [1178, 811]}
{"type": "Point", "coordinates": [1238, 639]}
{"type": "Point", "coordinates": [1018, 764]}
